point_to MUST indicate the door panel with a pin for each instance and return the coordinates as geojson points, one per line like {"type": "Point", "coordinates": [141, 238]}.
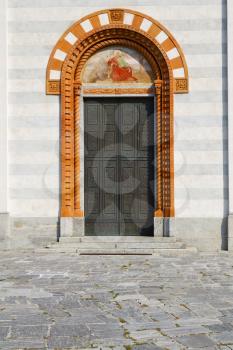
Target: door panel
{"type": "Point", "coordinates": [128, 120]}
{"type": "Point", "coordinates": [109, 190]}
{"type": "Point", "coordinates": [119, 166]}
{"type": "Point", "coordinates": [109, 130]}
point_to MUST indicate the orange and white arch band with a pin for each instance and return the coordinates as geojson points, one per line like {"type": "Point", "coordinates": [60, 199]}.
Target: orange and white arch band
{"type": "Point", "coordinates": [124, 19]}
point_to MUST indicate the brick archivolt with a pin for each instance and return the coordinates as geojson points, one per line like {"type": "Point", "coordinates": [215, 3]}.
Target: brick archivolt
{"type": "Point", "coordinates": [64, 72]}
{"type": "Point", "coordinates": [71, 88]}
{"type": "Point", "coordinates": [119, 19]}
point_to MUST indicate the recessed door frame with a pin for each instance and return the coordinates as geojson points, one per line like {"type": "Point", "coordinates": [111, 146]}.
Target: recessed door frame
{"type": "Point", "coordinates": [71, 132]}
{"type": "Point", "coordinates": [63, 77]}
{"type": "Point", "coordinates": [125, 96]}
{"type": "Point", "coordinates": [84, 92]}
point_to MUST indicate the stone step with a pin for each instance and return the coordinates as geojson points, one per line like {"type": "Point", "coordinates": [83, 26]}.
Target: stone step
{"type": "Point", "coordinates": [117, 239]}
{"type": "Point", "coordinates": [71, 250]}
{"type": "Point", "coordinates": [175, 252]}
{"type": "Point", "coordinates": [119, 251]}
{"type": "Point", "coordinates": [156, 252]}
{"type": "Point", "coordinates": [132, 251]}
{"type": "Point", "coordinates": [122, 245]}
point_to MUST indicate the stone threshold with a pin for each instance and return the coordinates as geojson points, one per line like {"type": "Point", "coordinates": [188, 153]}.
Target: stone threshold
{"type": "Point", "coordinates": [121, 245]}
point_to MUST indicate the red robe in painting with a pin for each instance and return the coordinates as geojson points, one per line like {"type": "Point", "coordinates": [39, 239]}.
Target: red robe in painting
{"type": "Point", "coordinates": [120, 73]}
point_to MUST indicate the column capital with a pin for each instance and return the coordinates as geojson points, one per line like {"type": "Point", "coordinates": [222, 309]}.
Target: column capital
{"type": "Point", "coordinates": [158, 85]}
{"type": "Point", "coordinates": [77, 88]}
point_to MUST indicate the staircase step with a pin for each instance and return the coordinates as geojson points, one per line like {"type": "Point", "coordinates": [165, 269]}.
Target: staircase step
{"type": "Point", "coordinates": [98, 251]}
{"type": "Point", "coordinates": [123, 245]}
{"type": "Point", "coordinates": [117, 239]}
{"type": "Point", "coordinates": [155, 252]}
{"type": "Point", "coordinates": [115, 251]}
{"type": "Point", "coordinates": [175, 252]}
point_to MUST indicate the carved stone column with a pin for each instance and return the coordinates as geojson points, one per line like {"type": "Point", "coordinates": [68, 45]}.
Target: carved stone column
{"type": "Point", "coordinates": [77, 207]}
{"type": "Point", "coordinates": [74, 226]}
{"type": "Point", "coordinates": [79, 223]}
{"type": "Point", "coordinates": [158, 214]}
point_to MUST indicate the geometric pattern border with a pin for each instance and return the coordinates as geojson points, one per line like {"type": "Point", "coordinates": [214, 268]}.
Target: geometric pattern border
{"type": "Point", "coordinates": [71, 91]}
{"type": "Point", "coordinates": [122, 18]}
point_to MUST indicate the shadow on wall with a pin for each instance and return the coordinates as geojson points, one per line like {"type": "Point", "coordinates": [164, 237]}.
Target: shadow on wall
{"type": "Point", "coordinates": [224, 234]}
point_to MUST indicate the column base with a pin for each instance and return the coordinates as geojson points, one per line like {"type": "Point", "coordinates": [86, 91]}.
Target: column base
{"type": "Point", "coordinates": [79, 227]}
{"type": "Point", "coordinates": [72, 227]}
{"type": "Point", "coordinates": [158, 227]}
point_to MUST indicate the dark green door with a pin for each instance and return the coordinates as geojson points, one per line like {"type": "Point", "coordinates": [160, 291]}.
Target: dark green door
{"type": "Point", "coordinates": [119, 166]}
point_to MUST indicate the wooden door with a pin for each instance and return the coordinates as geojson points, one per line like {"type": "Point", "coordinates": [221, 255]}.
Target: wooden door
{"type": "Point", "coordinates": [119, 166]}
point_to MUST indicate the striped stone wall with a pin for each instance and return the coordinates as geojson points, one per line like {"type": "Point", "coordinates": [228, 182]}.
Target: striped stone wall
{"type": "Point", "coordinates": [200, 117]}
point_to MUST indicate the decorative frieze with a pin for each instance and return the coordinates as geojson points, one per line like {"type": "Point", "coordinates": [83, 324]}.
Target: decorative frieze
{"type": "Point", "coordinates": [53, 87]}
{"type": "Point", "coordinates": [180, 85]}
{"type": "Point", "coordinates": [119, 91]}
{"type": "Point", "coordinates": [117, 33]}
{"type": "Point", "coordinates": [116, 16]}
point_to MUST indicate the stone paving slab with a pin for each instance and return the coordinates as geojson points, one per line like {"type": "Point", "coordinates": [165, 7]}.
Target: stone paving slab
{"type": "Point", "coordinates": [65, 301]}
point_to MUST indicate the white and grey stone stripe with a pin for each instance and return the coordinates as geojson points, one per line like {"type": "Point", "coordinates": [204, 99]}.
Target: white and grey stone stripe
{"type": "Point", "coordinates": [70, 3]}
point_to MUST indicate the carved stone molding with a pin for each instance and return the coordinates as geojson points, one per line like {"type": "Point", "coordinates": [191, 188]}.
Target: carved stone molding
{"type": "Point", "coordinates": [77, 88]}
{"type": "Point", "coordinates": [159, 183]}
{"type": "Point", "coordinates": [53, 87]}
{"type": "Point", "coordinates": [77, 54]}
{"type": "Point", "coordinates": [71, 90]}
{"type": "Point", "coordinates": [110, 37]}
{"type": "Point", "coordinates": [118, 91]}
{"type": "Point", "coordinates": [181, 85]}
{"type": "Point", "coordinates": [116, 15]}
{"type": "Point", "coordinates": [118, 18]}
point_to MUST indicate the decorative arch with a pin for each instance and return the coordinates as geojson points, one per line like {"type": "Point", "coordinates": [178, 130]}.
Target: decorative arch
{"type": "Point", "coordinates": [118, 18]}
{"type": "Point", "coordinates": [87, 36]}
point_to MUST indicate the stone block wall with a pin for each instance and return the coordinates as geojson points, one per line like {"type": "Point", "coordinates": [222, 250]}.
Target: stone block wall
{"type": "Point", "coordinates": [201, 189]}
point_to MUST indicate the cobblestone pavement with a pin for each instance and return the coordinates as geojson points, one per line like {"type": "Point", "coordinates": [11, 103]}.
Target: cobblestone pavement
{"type": "Point", "coordinates": [61, 301]}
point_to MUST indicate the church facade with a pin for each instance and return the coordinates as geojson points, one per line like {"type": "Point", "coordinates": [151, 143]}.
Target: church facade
{"type": "Point", "coordinates": [116, 120]}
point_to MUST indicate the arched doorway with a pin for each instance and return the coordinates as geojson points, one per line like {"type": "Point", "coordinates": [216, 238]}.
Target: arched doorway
{"type": "Point", "coordinates": [91, 34]}
{"type": "Point", "coordinates": [119, 140]}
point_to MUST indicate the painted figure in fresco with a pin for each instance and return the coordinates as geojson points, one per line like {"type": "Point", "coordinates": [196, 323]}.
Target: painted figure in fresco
{"type": "Point", "coordinates": [110, 66]}
{"type": "Point", "coordinates": [99, 71]}
{"type": "Point", "coordinates": [120, 70]}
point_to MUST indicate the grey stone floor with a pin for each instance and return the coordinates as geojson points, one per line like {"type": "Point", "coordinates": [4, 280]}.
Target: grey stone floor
{"type": "Point", "coordinates": [61, 301]}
